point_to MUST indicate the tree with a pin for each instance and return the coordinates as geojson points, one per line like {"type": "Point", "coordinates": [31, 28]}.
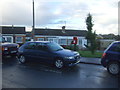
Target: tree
{"type": "Point", "coordinates": [117, 37]}
{"type": "Point", "coordinates": [91, 36]}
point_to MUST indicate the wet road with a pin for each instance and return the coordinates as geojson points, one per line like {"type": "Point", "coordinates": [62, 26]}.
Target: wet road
{"type": "Point", "coordinates": [36, 75]}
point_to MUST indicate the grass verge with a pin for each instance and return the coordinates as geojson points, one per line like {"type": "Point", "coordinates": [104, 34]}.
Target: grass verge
{"type": "Point", "coordinates": [89, 54]}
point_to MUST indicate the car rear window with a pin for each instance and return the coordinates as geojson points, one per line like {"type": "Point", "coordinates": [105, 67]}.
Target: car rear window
{"type": "Point", "coordinates": [115, 47]}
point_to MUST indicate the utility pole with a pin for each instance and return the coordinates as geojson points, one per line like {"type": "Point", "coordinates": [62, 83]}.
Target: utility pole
{"type": "Point", "coordinates": [13, 34]}
{"type": "Point", "coordinates": [33, 27]}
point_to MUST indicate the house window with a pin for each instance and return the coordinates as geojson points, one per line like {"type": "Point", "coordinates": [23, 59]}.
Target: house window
{"type": "Point", "coordinates": [50, 39]}
{"type": "Point", "coordinates": [80, 41]}
{"type": "Point", "coordinates": [63, 42]}
{"type": "Point", "coordinates": [8, 38]}
{"type": "Point", "coordinates": [69, 41]}
{"type": "Point", "coordinates": [40, 39]}
{"type": "Point", "coordinates": [19, 39]}
{"type": "Point", "coordinates": [53, 39]}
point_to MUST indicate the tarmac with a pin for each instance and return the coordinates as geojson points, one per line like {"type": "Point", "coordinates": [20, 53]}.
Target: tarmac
{"type": "Point", "coordinates": [95, 61]}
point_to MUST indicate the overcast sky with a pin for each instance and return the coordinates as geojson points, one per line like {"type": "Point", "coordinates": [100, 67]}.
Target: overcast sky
{"type": "Point", "coordinates": [54, 14]}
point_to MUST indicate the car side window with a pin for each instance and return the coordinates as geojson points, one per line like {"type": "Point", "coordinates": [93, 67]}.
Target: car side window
{"type": "Point", "coordinates": [118, 47]}
{"type": "Point", "coordinates": [31, 46]}
{"type": "Point", "coordinates": [41, 46]}
{"type": "Point", "coordinates": [115, 47]}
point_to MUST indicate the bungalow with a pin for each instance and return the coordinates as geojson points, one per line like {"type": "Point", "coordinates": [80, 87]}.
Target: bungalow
{"type": "Point", "coordinates": [60, 36]}
{"type": "Point", "coordinates": [104, 43]}
{"type": "Point", "coordinates": [14, 34]}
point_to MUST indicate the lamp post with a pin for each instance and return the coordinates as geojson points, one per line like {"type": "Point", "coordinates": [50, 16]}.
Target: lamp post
{"type": "Point", "coordinates": [33, 27]}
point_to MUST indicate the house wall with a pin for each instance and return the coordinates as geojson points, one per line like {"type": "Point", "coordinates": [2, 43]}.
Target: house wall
{"type": "Point", "coordinates": [9, 38]}
{"type": "Point", "coordinates": [62, 40]}
{"type": "Point", "coordinates": [105, 43]}
{"type": "Point", "coordinates": [22, 39]}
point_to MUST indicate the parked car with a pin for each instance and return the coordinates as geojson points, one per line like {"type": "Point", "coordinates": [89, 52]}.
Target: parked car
{"type": "Point", "coordinates": [111, 58]}
{"type": "Point", "coordinates": [8, 48]}
{"type": "Point", "coordinates": [49, 52]}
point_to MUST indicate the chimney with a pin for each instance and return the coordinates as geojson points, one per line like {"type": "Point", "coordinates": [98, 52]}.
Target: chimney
{"type": "Point", "coordinates": [63, 29]}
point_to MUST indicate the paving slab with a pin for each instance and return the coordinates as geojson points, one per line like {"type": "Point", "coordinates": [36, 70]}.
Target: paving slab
{"type": "Point", "coordinates": [96, 61]}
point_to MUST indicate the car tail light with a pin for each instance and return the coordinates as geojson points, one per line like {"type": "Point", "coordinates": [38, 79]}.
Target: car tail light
{"type": "Point", "coordinates": [104, 54]}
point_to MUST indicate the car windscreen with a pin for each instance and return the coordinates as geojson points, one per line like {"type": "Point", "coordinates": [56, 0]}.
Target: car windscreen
{"type": "Point", "coordinates": [2, 39]}
{"type": "Point", "coordinates": [54, 46]}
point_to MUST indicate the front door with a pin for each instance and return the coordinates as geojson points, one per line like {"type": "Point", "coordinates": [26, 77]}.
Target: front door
{"type": "Point", "coordinates": [43, 53]}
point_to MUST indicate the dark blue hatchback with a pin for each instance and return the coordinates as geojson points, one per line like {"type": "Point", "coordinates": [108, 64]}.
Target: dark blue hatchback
{"type": "Point", "coordinates": [49, 52]}
{"type": "Point", "coordinates": [111, 58]}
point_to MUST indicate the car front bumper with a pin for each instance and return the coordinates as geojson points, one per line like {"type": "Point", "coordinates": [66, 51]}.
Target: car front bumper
{"type": "Point", "coordinates": [5, 53]}
{"type": "Point", "coordinates": [72, 62]}
{"type": "Point", "coordinates": [104, 62]}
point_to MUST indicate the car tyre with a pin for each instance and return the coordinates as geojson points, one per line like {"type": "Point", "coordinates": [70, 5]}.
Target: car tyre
{"type": "Point", "coordinates": [59, 63]}
{"type": "Point", "coordinates": [113, 68]}
{"type": "Point", "coordinates": [22, 59]}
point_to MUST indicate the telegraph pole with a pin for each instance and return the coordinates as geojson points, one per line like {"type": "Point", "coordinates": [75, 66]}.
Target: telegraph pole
{"type": "Point", "coordinates": [33, 27]}
{"type": "Point", "coordinates": [13, 34]}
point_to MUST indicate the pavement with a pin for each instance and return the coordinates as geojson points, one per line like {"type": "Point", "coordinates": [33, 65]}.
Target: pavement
{"type": "Point", "coordinates": [95, 61]}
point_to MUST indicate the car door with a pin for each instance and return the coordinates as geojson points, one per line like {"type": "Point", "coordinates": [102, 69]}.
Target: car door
{"type": "Point", "coordinates": [43, 53]}
{"type": "Point", "coordinates": [30, 50]}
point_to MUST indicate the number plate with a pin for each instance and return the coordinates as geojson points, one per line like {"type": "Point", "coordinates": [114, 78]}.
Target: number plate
{"type": "Point", "coordinates": [13, 51]}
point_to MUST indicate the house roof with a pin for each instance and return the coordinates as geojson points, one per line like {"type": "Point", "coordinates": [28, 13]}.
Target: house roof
{"type": "Point", "coordinates": [60, 32]}
{"type": "Point", "coordinates": [13, 30]}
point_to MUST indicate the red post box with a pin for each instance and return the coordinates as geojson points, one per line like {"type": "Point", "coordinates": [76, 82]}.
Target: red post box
{"type": "Point", "coordinates": [75, 40]}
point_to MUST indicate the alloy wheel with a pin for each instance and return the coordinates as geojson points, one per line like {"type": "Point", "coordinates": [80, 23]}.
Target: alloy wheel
{"type": "Point", "coordinates": [114, 68]}
{"type": "Point", "coordinates": [22, 59]}
{"type": "Point", "coordinates": [59, 63]}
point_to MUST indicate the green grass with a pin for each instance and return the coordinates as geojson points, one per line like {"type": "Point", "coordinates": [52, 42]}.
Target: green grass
{"type": "Point", "coordinates": [89, 54]}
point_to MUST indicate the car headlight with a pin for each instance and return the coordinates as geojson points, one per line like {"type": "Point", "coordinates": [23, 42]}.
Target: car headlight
{"type": "Point", "coordinates": [69, 57]}
{"type": "Point", "coordinates": [5, 48]}
{"type": "Point", "coordinates": [77, 54]}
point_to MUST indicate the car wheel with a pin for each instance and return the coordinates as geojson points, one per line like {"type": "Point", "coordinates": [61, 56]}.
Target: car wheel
{"type": "Point", "coordinates": [22, 59]}
{"type": "Point", "coordinates": [113, 68]}
{"type": "Point", "coordinates": [59, 63]}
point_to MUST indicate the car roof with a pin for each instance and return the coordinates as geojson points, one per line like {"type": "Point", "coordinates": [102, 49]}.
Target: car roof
{"type": "Point", "coordinates": [116, 42]}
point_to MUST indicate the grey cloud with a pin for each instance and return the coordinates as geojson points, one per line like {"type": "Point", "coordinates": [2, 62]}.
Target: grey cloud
{"type": "Point", "coordinates": [19, 12]}
{"type": "Point", "coordinates": [16, 13]}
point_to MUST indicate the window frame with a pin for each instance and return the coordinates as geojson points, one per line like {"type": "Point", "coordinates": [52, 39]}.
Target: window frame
{"type": "Point", "coordinates": [53, 39]}
{"type": "Point", "coordinates": [40, 38]}
{"type": "Point", "coordinates": [16, 39]}
{"type": "Point", "coordinates": [62, 43]}
{"type": "Point", "coordinates": [8, 37]}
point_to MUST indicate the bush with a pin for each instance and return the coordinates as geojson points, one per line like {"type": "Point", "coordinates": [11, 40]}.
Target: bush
{"type": "Point", "coordinates": [71, 47]}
